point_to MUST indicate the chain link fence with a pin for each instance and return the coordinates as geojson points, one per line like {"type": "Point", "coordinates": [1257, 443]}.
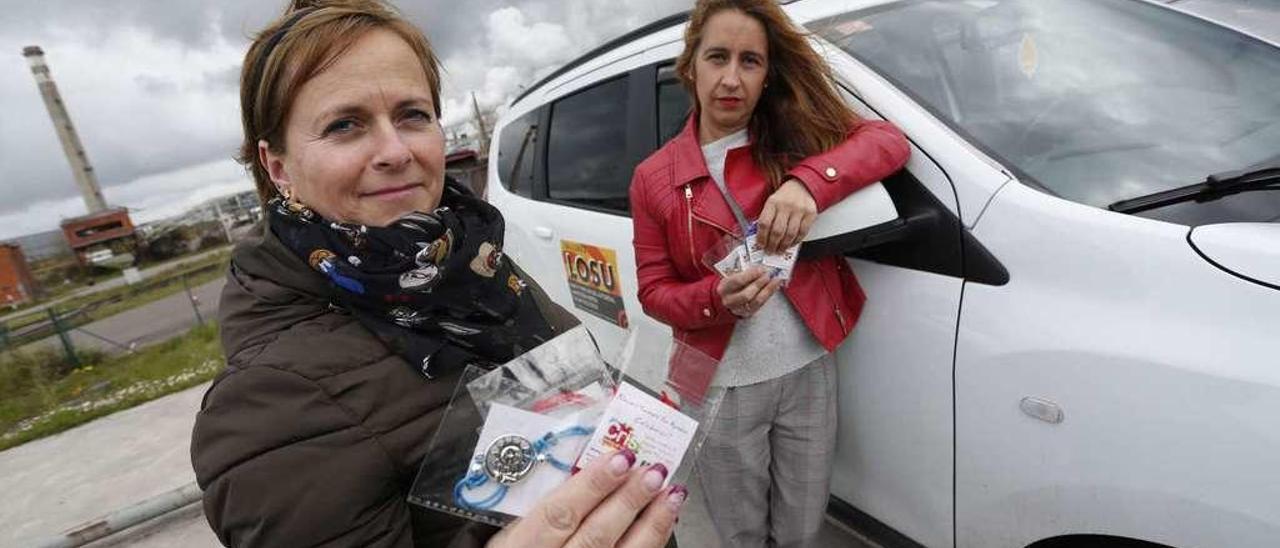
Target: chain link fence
{"type": "Point", "coordinates": [59, 322]}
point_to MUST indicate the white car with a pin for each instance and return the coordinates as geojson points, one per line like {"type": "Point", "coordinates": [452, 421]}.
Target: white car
{"type": "Point", "coordinates": [1072, 336]}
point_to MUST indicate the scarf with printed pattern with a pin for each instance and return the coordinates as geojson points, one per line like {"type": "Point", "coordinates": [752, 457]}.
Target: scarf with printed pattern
{"type": "Point", "coordinates": [434, 286]}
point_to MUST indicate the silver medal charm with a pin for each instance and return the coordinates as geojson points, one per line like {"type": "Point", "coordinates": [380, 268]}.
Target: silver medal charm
{"type": "Point", "coordinates": [509, 459]}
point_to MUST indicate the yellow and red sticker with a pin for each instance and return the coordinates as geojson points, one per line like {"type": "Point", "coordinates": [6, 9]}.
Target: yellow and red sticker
{"type": "Point", "coordinates": [594, 281]}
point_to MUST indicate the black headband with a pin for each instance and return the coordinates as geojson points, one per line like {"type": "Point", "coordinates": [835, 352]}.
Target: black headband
{"type": "Point", "coordinates": [274, 41]}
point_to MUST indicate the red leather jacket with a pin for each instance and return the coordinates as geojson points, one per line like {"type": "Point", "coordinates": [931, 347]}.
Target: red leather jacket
{"type": "Point", "coordinates": [678, 216]}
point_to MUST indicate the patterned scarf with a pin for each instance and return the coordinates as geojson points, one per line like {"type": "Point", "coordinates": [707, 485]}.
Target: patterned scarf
{"type": "Point", "coordinates": [434, 286]}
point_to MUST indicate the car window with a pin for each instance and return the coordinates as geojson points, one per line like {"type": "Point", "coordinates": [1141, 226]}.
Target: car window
{"type": "Point", "coordinates": [673, 109]}
{"type": "Point", "coordinates": [1093, 100]}
{"type": "Point", "coordinates": [587, 148]}
{"type": "Point", "coordinates": [516, 146]}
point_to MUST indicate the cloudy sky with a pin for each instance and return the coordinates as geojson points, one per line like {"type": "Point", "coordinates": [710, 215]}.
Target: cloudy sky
{"type": "Point", "coordinates": [152, 87]}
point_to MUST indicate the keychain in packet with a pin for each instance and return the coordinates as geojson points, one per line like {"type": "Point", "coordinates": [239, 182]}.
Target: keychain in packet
{"type": "Point", "coordinates": [512, 434]}
{"type": "Point", "coordinates": [662, 409]}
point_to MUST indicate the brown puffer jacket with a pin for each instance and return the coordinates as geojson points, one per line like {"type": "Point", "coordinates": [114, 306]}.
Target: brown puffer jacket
{"type": "Point", "coordinates": [314, 433]}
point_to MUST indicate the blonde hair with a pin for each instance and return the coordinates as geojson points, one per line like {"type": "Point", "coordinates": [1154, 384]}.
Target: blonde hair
{"type": "Point", "coordinates": [800, 113]}
{"type": "Point", "coordinates": [308, 37]}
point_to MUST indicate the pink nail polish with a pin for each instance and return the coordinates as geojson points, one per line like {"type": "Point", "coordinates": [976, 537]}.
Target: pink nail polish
{"type": "Point", "coordinates": [676, 497]}
{"type": "Point", "coordinates": [654, 477]}
{"type": "Point", "coordinates": [621, 462]}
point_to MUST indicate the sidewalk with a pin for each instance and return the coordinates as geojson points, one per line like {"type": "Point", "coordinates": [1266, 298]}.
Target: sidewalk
{"type": "Point", "coordinates": [57, 483]}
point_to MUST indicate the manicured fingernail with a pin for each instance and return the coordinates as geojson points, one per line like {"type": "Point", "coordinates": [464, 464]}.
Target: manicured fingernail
{"type": "Point", "coordinates": [677, 496]}
{"type": "Point", "coordinates": [622, 462]}
{"type": "Point", "coordinates": [654, 477]}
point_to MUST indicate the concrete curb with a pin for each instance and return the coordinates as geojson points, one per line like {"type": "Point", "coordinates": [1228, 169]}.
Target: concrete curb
{"type": "Point", "coordinates": [121, 520]}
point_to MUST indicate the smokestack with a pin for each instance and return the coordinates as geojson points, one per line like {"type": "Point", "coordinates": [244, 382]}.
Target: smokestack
{"type": "Point", "coordinates": [85, 178]}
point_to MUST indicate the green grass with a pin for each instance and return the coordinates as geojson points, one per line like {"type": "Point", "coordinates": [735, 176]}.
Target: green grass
{"type": "Point", "coordinates": [39, 398]}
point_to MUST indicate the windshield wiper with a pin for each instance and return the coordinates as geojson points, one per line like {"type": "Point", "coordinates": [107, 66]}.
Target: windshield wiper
{"type": "Point", "coordinates": [1218, 185]}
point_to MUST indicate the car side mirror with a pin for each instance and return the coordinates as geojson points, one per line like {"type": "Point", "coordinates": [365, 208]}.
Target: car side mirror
{"type": "Point", "coordinates": [866, 218]}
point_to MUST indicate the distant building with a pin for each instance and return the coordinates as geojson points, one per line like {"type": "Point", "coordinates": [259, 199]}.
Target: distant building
{"type": "Point", "coordinates": [43, 245]}
{"type": "Point", "coordinates": [17, 286]}
{"type": "Point", "coordinates": [468, 168]}
{"type": "Point", "coordinates": [107, 234]}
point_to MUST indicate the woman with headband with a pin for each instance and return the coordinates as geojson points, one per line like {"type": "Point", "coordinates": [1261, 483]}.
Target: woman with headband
{"type": "Point", "coordinates": [341, 358]}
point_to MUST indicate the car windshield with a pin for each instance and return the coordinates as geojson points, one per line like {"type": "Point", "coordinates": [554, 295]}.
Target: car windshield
{"type": "Point", "coordinates": [1093, 100]}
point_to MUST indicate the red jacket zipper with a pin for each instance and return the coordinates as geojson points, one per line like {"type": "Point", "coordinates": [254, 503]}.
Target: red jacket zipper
{"type": "Point", "coordinates": [688, 202]}
{"type": "Point", "coordinates": [839, 316]}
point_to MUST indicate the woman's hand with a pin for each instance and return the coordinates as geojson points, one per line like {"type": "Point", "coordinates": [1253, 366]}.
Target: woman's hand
{"type": "Point", "coordinates": [606, 504]}
{"type": "Point", "coordinates": [786, 217]}
{"type": "Point", "coordinates": [745, 292]}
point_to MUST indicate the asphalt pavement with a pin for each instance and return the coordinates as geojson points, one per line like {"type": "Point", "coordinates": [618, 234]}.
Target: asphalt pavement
{"type": "Point", "coordinates": [147, 273]}
{"type": "Point", "coordinates": [150, 323]}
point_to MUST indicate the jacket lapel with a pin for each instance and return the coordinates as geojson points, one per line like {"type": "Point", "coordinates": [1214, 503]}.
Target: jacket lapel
{"type": "Point", "coordinates": [709, 206]}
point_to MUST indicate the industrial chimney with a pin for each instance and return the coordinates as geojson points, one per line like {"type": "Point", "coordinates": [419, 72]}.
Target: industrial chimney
{"type": "Point", "coordinates": [85, 178]}
{"type": "Point", "coordinates": [104, 236]}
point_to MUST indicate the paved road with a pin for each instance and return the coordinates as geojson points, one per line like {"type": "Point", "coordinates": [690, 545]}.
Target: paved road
{"type": "Point", "coordinates": [147, 273]}
{"type": "Point", "coordinates": [150, 323]}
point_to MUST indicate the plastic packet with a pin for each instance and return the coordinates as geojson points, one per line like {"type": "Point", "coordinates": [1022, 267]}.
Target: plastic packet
{"type": "Point", "coordinates": [728, 256]}
{"type": "Point", "coordinates": [512, 434]}
{"type": "Point", "coordinates": [662, 409]}
{"type": "Point", "coordinates": [733, 254]}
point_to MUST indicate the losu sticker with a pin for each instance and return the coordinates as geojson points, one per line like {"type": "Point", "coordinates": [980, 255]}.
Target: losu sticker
{"type": "Point", "coordinates": [594, 281]}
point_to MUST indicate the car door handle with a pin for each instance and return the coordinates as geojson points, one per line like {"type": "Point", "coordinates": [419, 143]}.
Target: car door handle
{"type": "Point", "coordinates": [543, 232]}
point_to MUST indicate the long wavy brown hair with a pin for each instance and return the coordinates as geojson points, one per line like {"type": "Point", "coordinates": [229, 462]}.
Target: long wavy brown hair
{"type": "Point", "coordinates": [799, 113]}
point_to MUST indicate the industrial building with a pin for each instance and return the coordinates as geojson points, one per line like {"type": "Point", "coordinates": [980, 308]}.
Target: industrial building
{"type": "Point", "coordinates": [103, 237]}
{"type": "Point", "coordinates": [17, 286]}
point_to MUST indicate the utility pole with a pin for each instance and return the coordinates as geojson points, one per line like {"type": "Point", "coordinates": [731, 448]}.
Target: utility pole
{"type": "Point", "coordinates": [484, 131]}
{"type": "Point", "coordinates": [195, 301]}
{"type": "Point", "coordinates": [72, 359]}
{"type": "Point", "coordinates": [222, 221]}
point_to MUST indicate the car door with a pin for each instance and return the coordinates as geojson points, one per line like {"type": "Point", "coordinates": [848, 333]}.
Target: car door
{"type": "Point", "coordinates": [894, 450]}
{"type": "Point", "coordinates": [569, 221]}
{"type": "Point", "coordinates": [592, 147]}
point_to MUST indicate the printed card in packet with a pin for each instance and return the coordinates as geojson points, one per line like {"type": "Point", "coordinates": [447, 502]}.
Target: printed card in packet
{"type": "Point", "coordinates": [733, 254]}
{"type": "Point", "coordinates": [662, 408]}
{"type": "Point", "coordinates": [779, 265]}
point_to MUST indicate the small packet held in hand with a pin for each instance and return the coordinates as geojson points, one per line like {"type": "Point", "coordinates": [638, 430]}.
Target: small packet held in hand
{"type": "Point", "coordinates": [733, 255]}
{"type": "Point", "coordinates": [662, 409]}
{"type": "Point", "coordinates": [511, 435]}
{"type": "Point", "coordinates": [728, 256]}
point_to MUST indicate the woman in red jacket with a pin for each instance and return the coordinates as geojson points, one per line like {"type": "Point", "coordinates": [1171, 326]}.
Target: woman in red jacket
{"type": "Point", "coordinates": [769, 139]}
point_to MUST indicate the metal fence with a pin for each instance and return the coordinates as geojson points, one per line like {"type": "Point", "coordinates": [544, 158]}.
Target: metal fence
{"type": "Point", "coordinates": [60, 322]}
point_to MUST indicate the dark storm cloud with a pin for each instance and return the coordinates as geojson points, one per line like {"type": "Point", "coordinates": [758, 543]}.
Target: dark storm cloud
{"type": "Point", "coordinates": [152, 85]}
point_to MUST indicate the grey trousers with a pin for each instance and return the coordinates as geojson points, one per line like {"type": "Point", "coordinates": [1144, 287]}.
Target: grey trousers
{"type": "Point", "coordinates": [766, 463]}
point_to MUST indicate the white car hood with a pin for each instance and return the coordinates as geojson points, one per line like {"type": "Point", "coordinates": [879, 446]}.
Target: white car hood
{"type": "Point", "coordinates": [1248, 250]}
